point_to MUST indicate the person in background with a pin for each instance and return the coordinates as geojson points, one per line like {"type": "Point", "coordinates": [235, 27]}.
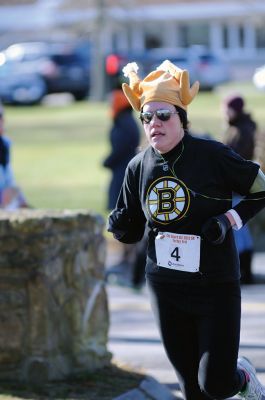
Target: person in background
{"type": "Point", "coordinates": [124, 138]}
{"type": "Point", "coordinates": [181, 187]}
{"type": "Point", "coordinates": [240, 135]}
{"type": "Point", "coordinates": [11, 196]}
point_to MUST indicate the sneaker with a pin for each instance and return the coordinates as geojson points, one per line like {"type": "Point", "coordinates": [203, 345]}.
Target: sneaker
{"type": "Point", "coordinates": [254, 389]}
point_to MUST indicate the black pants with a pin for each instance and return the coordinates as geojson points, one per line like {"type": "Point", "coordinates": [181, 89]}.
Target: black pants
{"type": "Point", "coordinates": [200, 329]}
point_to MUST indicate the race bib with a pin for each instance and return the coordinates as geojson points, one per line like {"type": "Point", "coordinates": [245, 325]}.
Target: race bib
{"type": "Point", "coordinates": [178, 251]}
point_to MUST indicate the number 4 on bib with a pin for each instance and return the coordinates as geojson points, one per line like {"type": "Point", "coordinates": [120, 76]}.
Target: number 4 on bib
{"type": "Point", "coordinates": [175, 254]}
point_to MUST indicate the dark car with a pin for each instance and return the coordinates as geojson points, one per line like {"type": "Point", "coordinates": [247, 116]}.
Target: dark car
{"type": "Point", "coordinates": [29, 71]}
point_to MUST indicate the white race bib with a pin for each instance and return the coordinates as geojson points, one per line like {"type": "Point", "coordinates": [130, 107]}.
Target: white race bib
{"type": "Point", "coordinates": [178, 251]}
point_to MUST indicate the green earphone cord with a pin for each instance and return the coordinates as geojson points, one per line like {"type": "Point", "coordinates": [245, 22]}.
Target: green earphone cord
{"type": "Point", "coordinates": [200, 194]}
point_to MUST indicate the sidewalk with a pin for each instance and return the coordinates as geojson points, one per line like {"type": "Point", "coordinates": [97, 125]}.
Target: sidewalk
{"type": "Point", "coordinates": [134, 339]}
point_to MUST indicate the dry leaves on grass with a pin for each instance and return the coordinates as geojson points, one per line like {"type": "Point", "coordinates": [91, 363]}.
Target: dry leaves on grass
{"type": "Point", "coordinates": [104, 384]}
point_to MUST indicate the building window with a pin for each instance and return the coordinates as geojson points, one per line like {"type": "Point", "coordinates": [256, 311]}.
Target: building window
{"type": "Point", "coordinates": [241, 36]}
{"type": "Point", "coordinates": [183, 36]}
{"type": "Point", "coordinates": [260, 37]}
{"type": "Point", "coordinates": [152, 36]}
{"type": "Point", "coordinates": [194, 34]}
{"type": "Point", "coordinates": [152, 41]}
{"type": "Point", "coordinates": [225, 37]}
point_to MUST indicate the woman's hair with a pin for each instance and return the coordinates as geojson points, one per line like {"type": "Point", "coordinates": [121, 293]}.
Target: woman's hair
{"type": "Point", "coordinates": [183, 117]}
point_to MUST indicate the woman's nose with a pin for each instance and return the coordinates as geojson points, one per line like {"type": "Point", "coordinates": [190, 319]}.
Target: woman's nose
{"type": "Point", "coordinates": [155, 120]}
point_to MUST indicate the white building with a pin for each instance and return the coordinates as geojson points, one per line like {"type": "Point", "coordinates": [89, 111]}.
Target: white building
{"type": "Point", "coordinates": [234, 28]}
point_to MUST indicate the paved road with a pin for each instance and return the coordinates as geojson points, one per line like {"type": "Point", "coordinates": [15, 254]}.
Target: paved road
{"type": "Point", "coordinates": [134, 339]}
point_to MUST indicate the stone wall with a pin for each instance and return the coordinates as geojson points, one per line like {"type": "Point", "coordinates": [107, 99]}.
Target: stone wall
{"type": "Point", "coordinates": [53, 305]}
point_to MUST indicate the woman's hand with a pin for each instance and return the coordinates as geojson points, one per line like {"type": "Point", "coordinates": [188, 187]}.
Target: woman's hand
{"type": "Point", "coordinates": [215, 229]}
{"type": "Point", "coordinates": [118, 222]}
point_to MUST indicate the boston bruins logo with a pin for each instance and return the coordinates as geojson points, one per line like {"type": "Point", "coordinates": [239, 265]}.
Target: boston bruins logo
{"type": "Point", "coordinates": [168, 200]}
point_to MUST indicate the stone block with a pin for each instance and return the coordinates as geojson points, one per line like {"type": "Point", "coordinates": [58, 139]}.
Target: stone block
{"type": "Point", "coordinates": [53, 305]}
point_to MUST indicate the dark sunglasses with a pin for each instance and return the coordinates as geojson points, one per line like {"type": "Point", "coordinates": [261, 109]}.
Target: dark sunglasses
{"type": "Point", "coordinates": [163, 115]}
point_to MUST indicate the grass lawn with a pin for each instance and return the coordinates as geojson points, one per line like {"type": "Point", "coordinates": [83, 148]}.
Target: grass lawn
{"type": "Point", "coordinates": [58, 150]}
{"type": "Point", "coordinates": [57, 154]}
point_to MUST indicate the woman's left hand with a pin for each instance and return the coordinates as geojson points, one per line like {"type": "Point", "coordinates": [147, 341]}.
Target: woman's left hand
{"type": "Point", "coordinates": [215, 229]}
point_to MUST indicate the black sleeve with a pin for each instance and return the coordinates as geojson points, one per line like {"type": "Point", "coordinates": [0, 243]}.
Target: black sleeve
{"type": "Point", "coordinates": [127, 220]}
{"type": "Point", "coordinates": [250, 206]}
{"type": "Point", "coordinates": [238, 173]}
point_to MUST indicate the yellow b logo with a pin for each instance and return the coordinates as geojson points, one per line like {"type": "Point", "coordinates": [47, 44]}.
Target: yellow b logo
{"type": "Point", "coordinates": [168, 200]}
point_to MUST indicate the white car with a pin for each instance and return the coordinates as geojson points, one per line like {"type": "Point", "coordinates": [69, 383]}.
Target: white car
{"type": "Point", "coordinates": [259, 78]}
{"type": "Point", "coordinates": [208, 68]}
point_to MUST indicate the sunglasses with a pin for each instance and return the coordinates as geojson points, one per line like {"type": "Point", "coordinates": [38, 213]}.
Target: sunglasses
{"type": "Point", "coordinates": [163, 115]}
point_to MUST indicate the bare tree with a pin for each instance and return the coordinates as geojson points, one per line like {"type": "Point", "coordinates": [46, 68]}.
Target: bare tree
{"type": "Point", "coordinates": [97, 70]}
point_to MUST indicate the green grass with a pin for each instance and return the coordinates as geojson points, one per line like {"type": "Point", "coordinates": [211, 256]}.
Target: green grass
{"type": "Point", "coordinates": [58, 150]}
{"type": "Point", "coordinates": [57, 154]}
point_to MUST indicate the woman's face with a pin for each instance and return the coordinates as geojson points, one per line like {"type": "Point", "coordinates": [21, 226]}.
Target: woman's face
{"type": "Point", "coordinates": [163, 135]}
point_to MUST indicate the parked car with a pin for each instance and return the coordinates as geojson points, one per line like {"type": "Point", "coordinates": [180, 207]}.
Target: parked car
{"type": "Point", "coordinates": [203, 65]}
{"type": "Point", "coordinates": [29, 71]}
{"type": "Point", "coordinates": [259, 78]}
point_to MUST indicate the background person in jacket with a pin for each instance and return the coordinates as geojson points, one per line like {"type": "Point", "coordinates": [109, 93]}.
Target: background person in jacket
{"type": "Point", "coordinates": [240, 135]}
{"type": "Point", "coordinates": [124, 137]}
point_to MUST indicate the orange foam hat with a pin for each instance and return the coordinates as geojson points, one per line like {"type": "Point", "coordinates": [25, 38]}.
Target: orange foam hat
{"type": "Point", "coordinates": [167, 83]}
